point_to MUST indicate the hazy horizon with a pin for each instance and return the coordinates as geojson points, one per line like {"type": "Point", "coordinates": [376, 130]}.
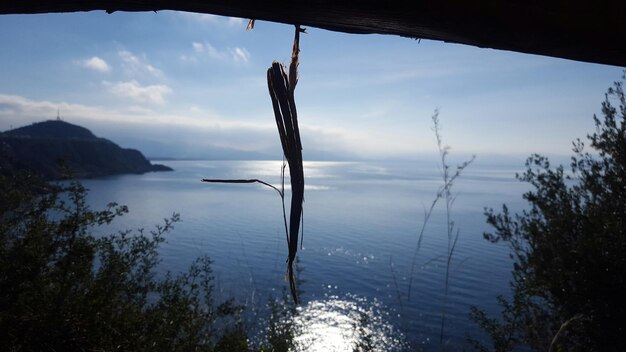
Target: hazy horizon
{"type": "Point", "coordinates": [432, 156]}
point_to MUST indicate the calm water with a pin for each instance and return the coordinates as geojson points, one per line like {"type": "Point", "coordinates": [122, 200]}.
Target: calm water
{"type": "Point", "coordinates": [361, 224]}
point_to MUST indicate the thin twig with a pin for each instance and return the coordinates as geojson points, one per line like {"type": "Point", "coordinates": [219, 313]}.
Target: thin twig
{"type": "Point", "coordinates": [449, 199]}
{"type": "Point", "coordinates": [302, 229]}
{"type": "Point", "coordinates": [562, 328]}
{"type": "Point", "coordinates": [282, 198]}
{"type": "Point", "coordinates": [398, 292]}
{"type": "Point", "coordinates": [419, 241]}
{"type": "Point", "coordinates": [254, 180]}
{"type": "Point", "coordinates": [446, 287]}
{"type": "Point", "coordinates": [441, 193]}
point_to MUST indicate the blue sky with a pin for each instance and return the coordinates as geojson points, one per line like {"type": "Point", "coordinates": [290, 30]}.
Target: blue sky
{"type": "Point", "coordinates": [188, 85]}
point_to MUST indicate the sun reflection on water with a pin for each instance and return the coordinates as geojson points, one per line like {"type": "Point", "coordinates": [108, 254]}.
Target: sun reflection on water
{"type": "Point", "coordinates": [353, 324]}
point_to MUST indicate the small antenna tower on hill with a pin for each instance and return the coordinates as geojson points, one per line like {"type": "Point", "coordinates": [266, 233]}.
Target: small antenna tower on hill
{"type": "Point", "coordinates": [58, 115]}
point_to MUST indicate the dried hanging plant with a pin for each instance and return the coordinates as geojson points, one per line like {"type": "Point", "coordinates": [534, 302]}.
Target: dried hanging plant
{"type": "Point", "coordinates": [281, 88]}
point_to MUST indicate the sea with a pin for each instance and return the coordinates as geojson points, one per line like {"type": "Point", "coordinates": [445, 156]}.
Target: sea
{"type": "Point", "coordinates": [362, 222]}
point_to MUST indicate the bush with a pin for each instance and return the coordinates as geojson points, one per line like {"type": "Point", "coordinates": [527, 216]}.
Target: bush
{"type": "Point", "coordinates": [569, 248]}
{"type": "Point", "coordinates": [64, 289]}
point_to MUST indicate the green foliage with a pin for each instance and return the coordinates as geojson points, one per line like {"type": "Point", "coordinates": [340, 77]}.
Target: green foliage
{"type": "Point", "coordinates": [281, 329]}
{"type": "Point", "coordinates": [64, 289]}
{"type": "Point", "coordinates": [569, 247]}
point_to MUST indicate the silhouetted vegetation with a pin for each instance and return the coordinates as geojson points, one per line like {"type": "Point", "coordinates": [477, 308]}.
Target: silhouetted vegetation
{"type": "Point", "coordinates": [448, 177]}
{"type": "Point", "coordinates": [569, 248]}
{"type": "Point", "coordinates": [64, 289]}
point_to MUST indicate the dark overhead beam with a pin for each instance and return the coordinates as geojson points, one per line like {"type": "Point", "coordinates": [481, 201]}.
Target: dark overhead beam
{"type": "Point", "coordinates": [583, 30]}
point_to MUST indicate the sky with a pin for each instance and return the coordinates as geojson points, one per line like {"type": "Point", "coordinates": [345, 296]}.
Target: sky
{"type": "Point", "coordinates": [184, 85]}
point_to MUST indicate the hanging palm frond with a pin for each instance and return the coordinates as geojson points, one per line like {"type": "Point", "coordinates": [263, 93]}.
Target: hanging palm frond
{"type": "Point", "coordinates": [281, 88]}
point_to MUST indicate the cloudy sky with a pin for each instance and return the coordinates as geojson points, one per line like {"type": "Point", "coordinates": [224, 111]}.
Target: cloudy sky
{"type": "Point", "coordinates": [188, 85]}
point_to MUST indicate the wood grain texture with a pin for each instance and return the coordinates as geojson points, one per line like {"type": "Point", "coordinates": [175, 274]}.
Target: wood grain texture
{"type": "Point", "coordinates": [590, 31]}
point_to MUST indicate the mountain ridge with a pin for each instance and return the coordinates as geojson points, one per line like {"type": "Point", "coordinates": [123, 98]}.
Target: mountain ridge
{"type": "Point", "coordinates": [41, 147]}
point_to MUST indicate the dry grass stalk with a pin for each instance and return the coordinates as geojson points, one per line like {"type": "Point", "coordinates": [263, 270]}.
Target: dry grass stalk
{"type": "Point", "coordinates": [281, 88]}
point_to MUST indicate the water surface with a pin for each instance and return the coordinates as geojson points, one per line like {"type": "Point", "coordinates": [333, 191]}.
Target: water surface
{"type": "Point", "coordinates": [361, 225]}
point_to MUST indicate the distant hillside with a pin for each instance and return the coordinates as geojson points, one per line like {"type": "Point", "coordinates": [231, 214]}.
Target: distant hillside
{"type": "Point", "coordinates": [57, 129]}
{"type": "Point", "coordinates": [41, 146]}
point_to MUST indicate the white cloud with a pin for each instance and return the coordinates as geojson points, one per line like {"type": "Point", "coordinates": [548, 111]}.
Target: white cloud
{"type": "Point", "coordinates": [195, 109]}
{"type": "Point", "coordinates": [240, 54]}
{"type": "Point", "coordinates": [235, 21]}
{"type": "Point", "coordinates": [134, 64]}
{"type": "Point", "coordinates": [97, 64]}
{"type": "Point", "coordinates": [235, 54]}
{"type": "Point", "coordinates": [213, 52]}
{"type": "Point", "coordinates": [134, 90]}
{"type": "Point", "coordinates": [19, 111]}
{"type": "Point", "coordinates": [14, 108]}
{"type": "Point", "coordinates": [140, 110]}
{"type": "Point", "coordinates": [198, 47]}
{"type": "Point", "coordinates": [188, 58]}
{"type": "Point", "coordinates": [208, 49]}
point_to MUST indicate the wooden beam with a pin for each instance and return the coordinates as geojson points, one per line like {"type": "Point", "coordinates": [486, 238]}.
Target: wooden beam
{"type": "Point", "coordinates": [582, 30]}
